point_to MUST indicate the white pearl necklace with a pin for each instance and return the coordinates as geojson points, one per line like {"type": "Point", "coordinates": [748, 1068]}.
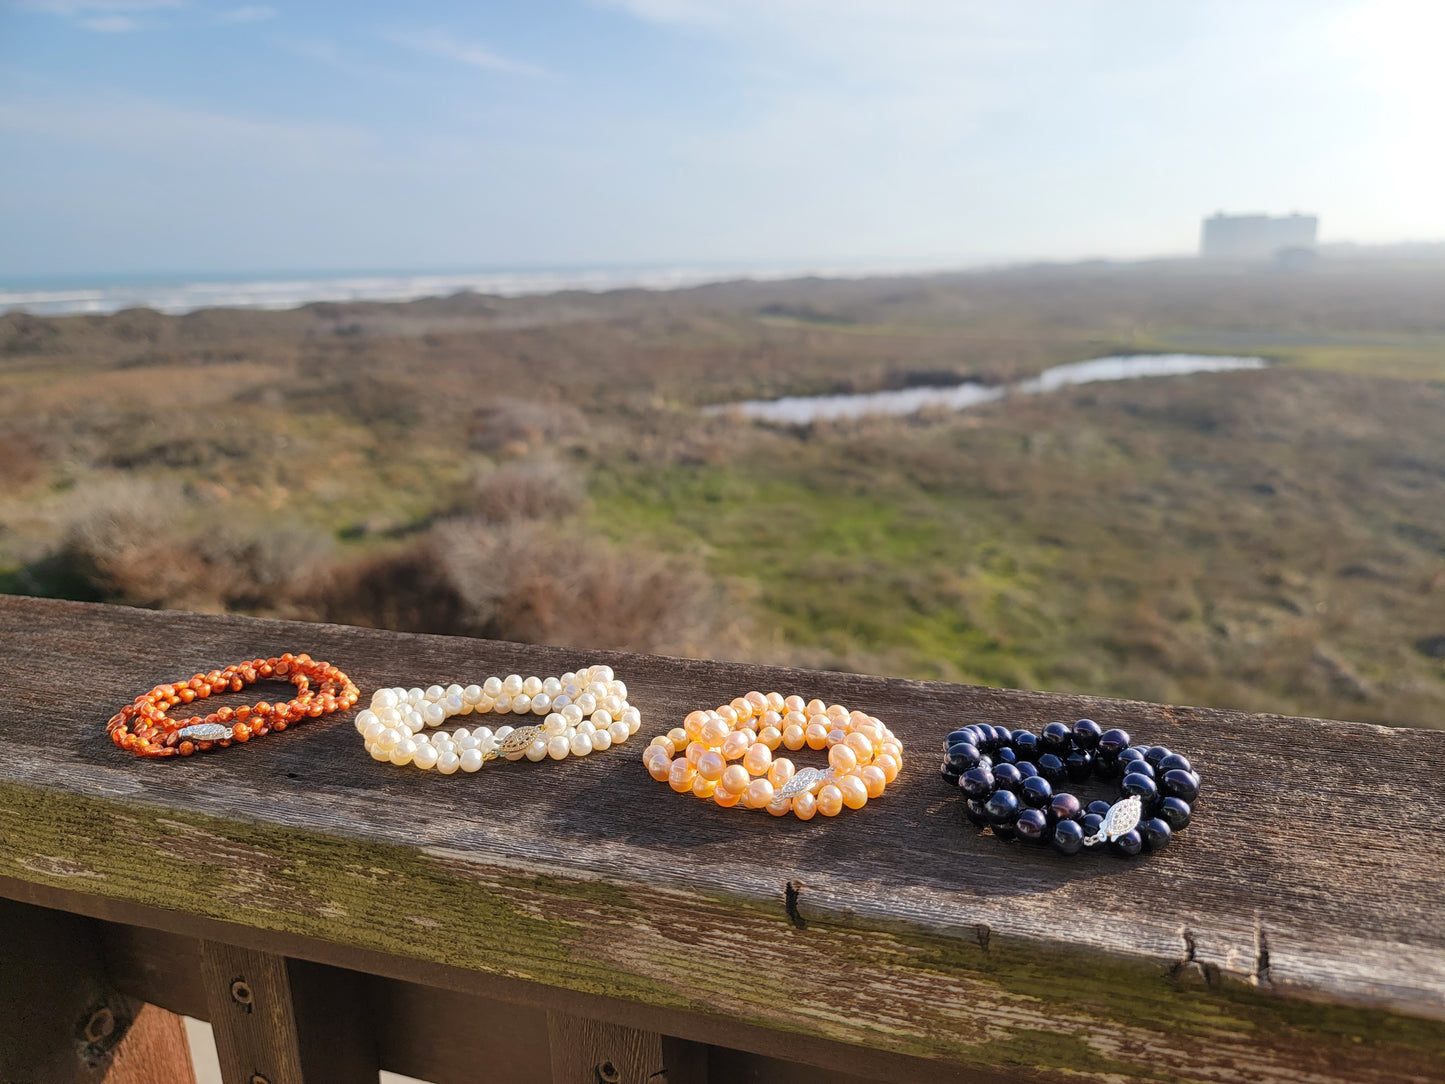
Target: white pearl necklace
{"type": "Point", "coordinates": [584, 712]}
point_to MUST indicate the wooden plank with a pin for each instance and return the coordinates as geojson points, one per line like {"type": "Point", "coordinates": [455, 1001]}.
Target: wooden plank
{"type": "Point", "coordinates": [1293, 929]}
{"type": "Point", "coordinates": [590, 1052]}
{"type": "Point", "coordinates": [64, 1023]}
{"type": "Point", "coordinates": [279, 1022]}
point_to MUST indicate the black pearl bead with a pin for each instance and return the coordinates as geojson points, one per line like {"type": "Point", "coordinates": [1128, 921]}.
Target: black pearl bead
{"type": "Point", "coordinates": [1036, 792]}
{"type": "Point", "coordinates": [1025, 769]}
{"type": "Point", "coordinates": [1006, 777]}
{"type": "Point", "coordinates": [1056, 738]}
{"type": "Point", "coordinates": [1026, 745]}
{"type": "Point", "coordinates": [1015, 735]}
{"type": "Point", "coordinates": [998, 736]}
{"type": "Point", "coordinates": [1140, 785]}
{"type": "Point", "coordinates": [1068, 837]}
{"type": "Point", "coordinates": [1127, 845]}
{"type": "Point", "coordinates": [1175, 812]}
{"type": "Point", "coordinates": [1079, 765]}
{"type": "Point", "coordinates": [1002, 807]}
{"type": "Point", "coordinates": [1131, 754]}
{"type": "Point", "coordinates": [1005, 755]}
{"type": "Point", "coordinates": [976, 783]}
{"type": "Point", "coordinates": [1090, 823]}
{"type": "Point", "coordinates": [1155, 753]}
{"type": "Point", "coordinates": [1139, 765]}
{"type": "Point", "coordinates": [1180, 784]}
{"type": "Point", "coordinates": [976, 812]}
{"type": "Point", "coordinates": [1113, 742]}
{"type": "Point", "coordinates": [1100, 808]}
{"type": "Point", "coordinates": [1106, 767]}
{"type": "Point", "coordinates": [963, 734]}
{"type": "Point", "coordinates": [1031, 825]}
{"type": "Point", "coordinates": [1086, 735]}
{"type": "Point", "coordinates": [961, 756]}
{"type": "Point", "coordinates": [1156, 833]}
{"type": "Point", "coordinates": [1063, 806]}
{"type": "Point", "coordinates": [1172, 761]}
{"type": "Point", "coordinates": [1051, 767]}
{"type": "Point", "coordinates": [950, 776]}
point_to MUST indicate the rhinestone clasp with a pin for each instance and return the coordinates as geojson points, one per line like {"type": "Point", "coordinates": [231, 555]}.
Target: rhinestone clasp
{"type": "Point", "coordinates": [1121, 818]}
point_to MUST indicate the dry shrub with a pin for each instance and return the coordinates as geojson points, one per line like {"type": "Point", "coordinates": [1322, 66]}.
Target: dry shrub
{"type": "Point", "coordinates": [531, 489]}
{"type": "Point", "coordinates": [517, 425]}
{"type": "Point", "coordinates": [123, 544]}
{"type": "Point", "coordinates": [536, 584]}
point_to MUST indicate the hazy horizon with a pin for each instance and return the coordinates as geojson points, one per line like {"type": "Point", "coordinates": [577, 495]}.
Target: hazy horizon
{"type": "Point", "coordinates": [147, 136]}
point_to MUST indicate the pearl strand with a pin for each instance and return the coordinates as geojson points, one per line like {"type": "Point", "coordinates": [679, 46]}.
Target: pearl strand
{"type": "Point", "coordinates": [583, 712]}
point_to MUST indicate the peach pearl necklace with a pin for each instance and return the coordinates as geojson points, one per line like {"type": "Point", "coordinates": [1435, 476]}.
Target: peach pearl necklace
{"type": "Point", "coordinates": [585, 711]}
{"type": "Point", "coordinates": [727, 755]}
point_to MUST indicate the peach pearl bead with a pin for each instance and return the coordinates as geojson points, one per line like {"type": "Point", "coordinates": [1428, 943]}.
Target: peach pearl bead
{"type": "Point", "coordinates": [873, 780]}
{"type": "Point", "coordinates": [795, 718]}
{"type": "Point", "coordinates": [693, 724]}
{"type": "Point", "coordinates": [885, 763]}
{"type": "Point", "coordinates": [862, 747]}
{"type": "Point", "coordinates": [817, 735]}
{"type": "Point", "coordinates": [678, 737]}
{"type": "Point", "coordinates": [681, 775]}
{"type": "Point", "coordinates": [736, 744]}
{"type": "Point", "coordinates": [734, 780]}
{"type": "Point", "coordinates": [758, 759]}
{"type": "Point", "coordinates": [724, 799]}
{"type": "Point", "coordinates": [758, 700]}
{"type": "Point", "coordinates": [744, 708]}
{"type": "Point", "coordinates": [665, 744]}
{"type": "Point", "coordinates": [780, 771]}
{"type": "Point", "coordinates": [713, 732]}
{"type": "Point", "coordinates": [837, 736]}
{"type": "Point", "coordinates": [711, 765]}
{"type": "Point", "coordinates": [770, 718]}
{"type": "Point", "coordinates": [815, 707]}
{"type": "Point", "coordinates": [804, 806]}
{"type": "Point", "coordinates": [727, 715]}
{"type": "Point", "coordinates": [771, 737]}
{"type": "Point", "coordinates": [842, 759]}
{"type": "Point", "coordinates": [661, 770]}
{"type": "Point", "coordinates": [794, 703]}
{"type": "Point", "coordinates": [779, 808]}
{"type": "Point", "coordinates": [855, 792]}
{"type": "Point", "coordinates": [775, 701]}
{"type": "Point", "coordinates": [695, 749]}
{"type": "Point", "coordinates": [794, 738]}
{"type": "Point", "coordinates": [759, 793]}
{"type": "Point", "coordinates": [703, 788]}
{"type": "Point", "coordinates": [830, 801]}
{"type": "Point", "coordinates": [869, 731]}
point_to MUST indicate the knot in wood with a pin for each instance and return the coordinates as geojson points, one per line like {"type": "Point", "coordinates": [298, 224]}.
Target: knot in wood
{"type": "Point", "coordinates": [100, 1025]}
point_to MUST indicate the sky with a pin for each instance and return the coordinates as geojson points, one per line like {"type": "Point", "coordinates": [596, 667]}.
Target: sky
{"type": "Point", "coordinates": [167, 136]}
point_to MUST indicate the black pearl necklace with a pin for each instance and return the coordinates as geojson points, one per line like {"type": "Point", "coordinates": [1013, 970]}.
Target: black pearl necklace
{"type": "Point", "coordinates": [1011, 785]}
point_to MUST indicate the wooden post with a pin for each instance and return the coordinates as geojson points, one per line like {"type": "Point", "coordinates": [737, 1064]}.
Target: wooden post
{"type": "Point", "coordinates": [280, 1021]}
{"type": "Point", "coordinates": [63, 1022]}
{"type": "Point", "coordinates": [591, 1052]}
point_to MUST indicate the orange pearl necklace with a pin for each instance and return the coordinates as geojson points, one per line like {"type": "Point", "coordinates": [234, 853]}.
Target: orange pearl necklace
{"type": "Point", "coordinates": [727, 755]}
{"type": "Point", "coordinates": [144, 727]}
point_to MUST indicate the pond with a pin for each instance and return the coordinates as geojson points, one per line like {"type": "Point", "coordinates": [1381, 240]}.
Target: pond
{"type": "Point", "coordinates": [800, 410]}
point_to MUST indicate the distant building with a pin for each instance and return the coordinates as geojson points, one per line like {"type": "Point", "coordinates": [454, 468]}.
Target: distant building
{"type": "Point", "coordinates": [1258, 237]}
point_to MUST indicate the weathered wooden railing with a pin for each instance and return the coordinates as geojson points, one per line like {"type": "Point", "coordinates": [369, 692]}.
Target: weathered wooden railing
{"type": "Point", "coordinates": [580, 922]}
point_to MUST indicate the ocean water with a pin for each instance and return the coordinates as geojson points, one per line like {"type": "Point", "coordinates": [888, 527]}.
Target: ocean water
{"type": "Point", "coordinates": [800, 410]}
{"type": "Point", "coordinates": [187, 294]}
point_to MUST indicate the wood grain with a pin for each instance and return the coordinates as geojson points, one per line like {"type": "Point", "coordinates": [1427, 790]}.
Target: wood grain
{"type": "Point", "coordinates": [154, 1051]}
{"type": "Point", "coordinates": [1292, 930]}
{"type": "Point", "coordinates": [587, 1051]}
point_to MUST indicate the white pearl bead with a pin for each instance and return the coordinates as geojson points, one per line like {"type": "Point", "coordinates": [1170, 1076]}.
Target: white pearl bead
{"type": "Point", "coordinates": [374, 731]}
{"type": "Point", "coordinates": [537, 750]}
{"type": "Point", "coordinates": [492, 687]}
{"type": "Point", "coordinates": [502, 731]}
{"type": "Point", "coordinates": [581, 745]}
{"type": "Point", "coordinates": [460, 732]}
{"type": "Point", "coordinates": [532, 686]}
{"type": "Point", "coordinates": [541, 704]}
{"type": "Point", "coordinates": [573, 714]}
{"type": "Point", "coordinates": [415, 696]}
{"type": "Point", "coordinates": [387, 739]}
{"type": "Point", "coordinates": [435, 693]}
{"type": "Point", "coordinates": [454, 689]}
{"type": "Point", "coordinates": [618, 732]}
{"type": "Point", "coordinates": [602, 673]}
{"type": "Point", "coordinates": [569, 676]}
{"type": "Point", "coordinates": [389, 716]}
{"type": "Point", "coordinates": [612, 705]}
{"type": "Point", "coordinates": [572, 690]}
{"type": "Point", "coordinates": [586, 726]}
{"type": "Point", "coordinates": [558, 748]}
{"type": "Point", "coordinates": [403, 752]}
{"type": "Point", "coordinates": [425, 757]}
{"type": "Point", "coordinates": [521, 704]}
{"type": "Point", "coordinates": [601, 741]}
{"type": "Point", "coordinates": [484, 705]}
{"type": "Point", "coordinates": [364, 719]}
{"type": "Point", "coordinates": [617, 689]}
{"type": "Point", "coordinates": [378, 753]}
{"type": "Point", "coordinates": [512, 684]}
{"type": "Point", "coordinates": [551, 686]}
{"type": "Point", "coordinates": [482, 733]}
{"type": "Point", "coordinates": [586, 703]}
{"type": "Point", "coordinates": [472, 694]}
{"type": "Point", "coordinates": [633, 718]}
{"type": "Point", "coordinates": [383, 698]}
{"type": "Point", "coordinates": [434, 715]}
{"type": "Point", "coordinates": [468, 742]}
{"type": "Point", "coordinates": [447, 763]}
{"type": "Point", "coordinates": [596, 690]}
{"type": "Point", "coordinates": [554, 724]}
{"type": "Point", "coordinates": [470, 760]}
{"type": "Point", "coordinates": [503, 705]}
{"type": "Point", "coordinates": [453, 704]}
{"type": "Point", "coordinates": [601, 718]}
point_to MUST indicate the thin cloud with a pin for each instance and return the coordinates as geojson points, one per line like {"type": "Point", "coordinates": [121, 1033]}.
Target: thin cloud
{"type": "Point", "coordinates": [477, 56]}
{"type": "Point", "coordinates": [101, 16]}
{"type": "Point", "coordinates": [250, 13]}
